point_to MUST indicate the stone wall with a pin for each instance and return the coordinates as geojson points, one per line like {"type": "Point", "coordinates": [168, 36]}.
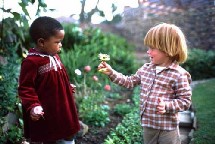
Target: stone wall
{"type": "Point", "coordinates": [198, 23]}
{"type": "Point", "coordinates": [196, 18]}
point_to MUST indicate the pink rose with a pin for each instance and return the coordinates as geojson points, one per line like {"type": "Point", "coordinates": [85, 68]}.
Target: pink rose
{"type": "Point", "coordinates": [95, 78]}
{"type": "Point", "coordinates": [107, 87]}
{"type": "Point", "coordinates": [87, 68]}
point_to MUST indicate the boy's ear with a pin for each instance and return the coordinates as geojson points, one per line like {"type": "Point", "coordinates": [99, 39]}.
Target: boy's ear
{"type": "Point", "coordinates": [40, 42]}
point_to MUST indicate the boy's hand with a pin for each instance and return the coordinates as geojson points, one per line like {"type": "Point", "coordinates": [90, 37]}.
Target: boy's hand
{"type": "Point", "coordinates": [36, 113]}
{"type": "Point", "coordinates": [105, 68]}
{"type": "Point", "coordinates": [161, 106]}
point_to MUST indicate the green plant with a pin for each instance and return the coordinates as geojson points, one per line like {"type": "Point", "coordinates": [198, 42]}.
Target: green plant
{"type": "Point", "coordinates": [90, 43]}
{"type": "Point", "coordinates": [73, 36]}
{"type": "Point", "coordinates": [14, 35]}
{"type": "Point", "coordinates": [9, 72]}
{"type": "Point", "coordinates": [84, 52]}
{"type": "Point", "coordinates": [93, 112]}
{"type": "Point", "coordinates": [89, 97]}
{"type": "Point", "coordinates": [113, 95]}
{"type": "Point", "coordinates": [200, 64]}
{"type": "Point", "coordinates": [129, 131]}
{"type": "Point", "coordinates": [86, 84]}
{"type": "Point", "coordinates": [122, 109]}
{"type": "Point", "coordinates": [81, 49]}
{"type": "Point", "coordinates": [12, 126]}
{"type": "Point", "coordinates": [11, 122]}
{"type": "Point", "coordinates": [11, 119]}
{"type": "Point", "coordinates": [78, 58]}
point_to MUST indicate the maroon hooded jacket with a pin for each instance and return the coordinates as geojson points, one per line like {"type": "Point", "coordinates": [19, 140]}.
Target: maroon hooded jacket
{"type": "Point", "coordinates": [44, 82]}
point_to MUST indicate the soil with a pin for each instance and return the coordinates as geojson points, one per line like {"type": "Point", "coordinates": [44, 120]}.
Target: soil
{"type": "Point", "coordinates": [96, 135]}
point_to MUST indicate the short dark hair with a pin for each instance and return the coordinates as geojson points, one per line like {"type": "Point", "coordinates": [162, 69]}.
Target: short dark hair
{"type": "Point", "coordinates": [44, 27]}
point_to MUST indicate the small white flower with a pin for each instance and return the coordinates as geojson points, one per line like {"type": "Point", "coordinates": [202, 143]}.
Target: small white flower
{"type": "Point", "coordinates": [128, 100]}
{"type": "Point", "coordinates": [38, 110]}
{"type": "Point", "coordinates": [78, 72]}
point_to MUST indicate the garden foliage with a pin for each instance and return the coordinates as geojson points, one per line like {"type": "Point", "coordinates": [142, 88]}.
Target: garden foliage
{"type": "Point", "coordinates": [200, 64]}
{"type": "Point", "coordinates": [122, 109]}
{"type": "Point", "coordinates": [129, 131]}
{"type": "Point", "coordinates": [10, 109]}
{"type": "Point", "coordinates": [80, 49]}
{"type": "Point", "coordinates": [14, 41]}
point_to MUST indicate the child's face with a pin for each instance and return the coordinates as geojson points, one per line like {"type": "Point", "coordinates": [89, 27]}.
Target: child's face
{"type": "Point", "coordinates": [53, 45]}
{"type": "Point", "coordinates": [158, 57]}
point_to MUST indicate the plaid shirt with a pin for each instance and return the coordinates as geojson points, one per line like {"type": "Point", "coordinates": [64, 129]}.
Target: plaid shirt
{"type": "Point", "coordinates": [172, 84]}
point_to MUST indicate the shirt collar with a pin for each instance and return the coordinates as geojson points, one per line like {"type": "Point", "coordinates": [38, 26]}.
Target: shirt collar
{"type": "Point", "coordinates": [174, 65]}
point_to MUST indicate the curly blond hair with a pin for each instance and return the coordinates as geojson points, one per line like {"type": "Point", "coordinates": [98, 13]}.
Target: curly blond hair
{"type": "Point", "coordinates": [168, 38]}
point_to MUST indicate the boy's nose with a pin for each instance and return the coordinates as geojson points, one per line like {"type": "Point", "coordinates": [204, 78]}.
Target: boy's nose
{"type": "Point", "coordinates": [60, 45]}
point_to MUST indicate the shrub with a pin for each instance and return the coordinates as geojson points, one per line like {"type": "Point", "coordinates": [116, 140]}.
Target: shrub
{"type": "Point", "coordinates": [200, 64]}
{"type": "Point", "coordinates": [77, 54]}
{"type": "Point", "coordinates": [85, 51]}
{"type": "Point", "coordinates": [8, 88]}
{"type": "Point", "coordinates": [73, 36]}
{"type": "Point", "coordinates": [122, 109]}
{"type": "Point", "coordinates": [93, 112]}
{"type": "Point", "coordinates": [11, 121]}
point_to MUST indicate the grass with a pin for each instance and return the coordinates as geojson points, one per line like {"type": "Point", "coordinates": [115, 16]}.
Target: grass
{"type": "Point", "coordinates": [204, 102]}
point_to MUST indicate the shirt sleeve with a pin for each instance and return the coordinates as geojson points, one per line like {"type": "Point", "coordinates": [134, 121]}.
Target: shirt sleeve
{"type": "Point", "coordinates": [26, 89]}
{"type": "Point", "coordinates": [183, 95]}
{"type": "Point", "coordinates": [125, 81]}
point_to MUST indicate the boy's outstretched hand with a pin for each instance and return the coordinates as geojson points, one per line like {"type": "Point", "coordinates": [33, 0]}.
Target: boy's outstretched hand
{"type": "Point", "coordinates": [105, 68]}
